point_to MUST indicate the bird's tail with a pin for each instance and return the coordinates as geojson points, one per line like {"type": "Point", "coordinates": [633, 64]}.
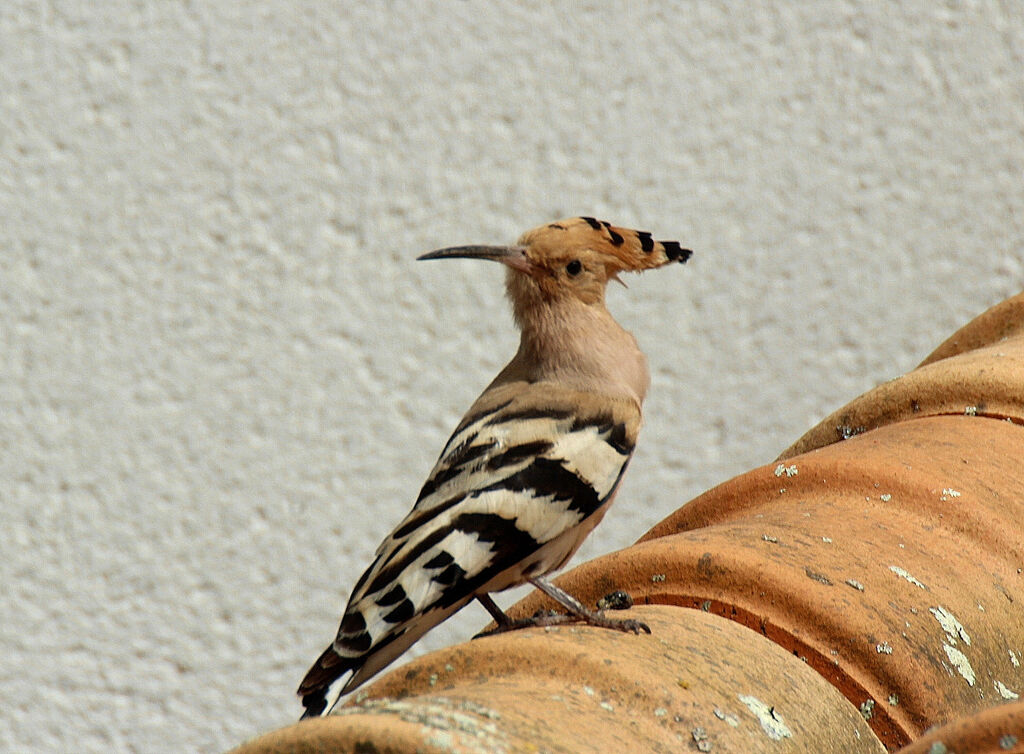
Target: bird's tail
{"type": "Point", "coordinates": [316, 689]}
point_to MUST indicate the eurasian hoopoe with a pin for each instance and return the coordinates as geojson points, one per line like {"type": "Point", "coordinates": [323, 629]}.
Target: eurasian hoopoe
{"type": "Point", "coordinates": [530, 470]}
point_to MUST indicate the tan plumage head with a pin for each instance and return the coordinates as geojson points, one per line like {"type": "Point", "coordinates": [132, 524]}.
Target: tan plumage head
{"type": "Point", "coordinates": [575, 257]}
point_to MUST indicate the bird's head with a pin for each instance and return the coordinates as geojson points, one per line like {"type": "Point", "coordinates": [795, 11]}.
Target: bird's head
{"type": "Point", "coordinates": [571, 259]}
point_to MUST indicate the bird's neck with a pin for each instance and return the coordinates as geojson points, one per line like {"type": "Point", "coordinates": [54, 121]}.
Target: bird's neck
{"type": "Point", "coordinates": [577, 345]}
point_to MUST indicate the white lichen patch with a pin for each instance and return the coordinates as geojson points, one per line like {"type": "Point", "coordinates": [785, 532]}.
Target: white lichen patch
{"type": "Point", "coordinates": [771, 722]}
{"type": "Point", "coordinates": [953, 628]}
{"type": "Point", "coordinates": [959, 661]}
{"type": "Point", "coordinates": [700, 739]}
{"type": "Point", "coordinates": [728, 718]}
{"type": "Point", "coordinates": [1005, 692]}
{"type": "Point", "coordinates": [783, 469]}
{"type": "Point", "coordinates": [479, 709]}
{"type": "Point", "coordinates": [867, 709]}
{"type": "Point", "coordinates": [904, 575]}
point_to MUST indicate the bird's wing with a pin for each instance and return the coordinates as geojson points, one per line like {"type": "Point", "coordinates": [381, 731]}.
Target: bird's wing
{"type": "Point", "coordinates": [527, 464]}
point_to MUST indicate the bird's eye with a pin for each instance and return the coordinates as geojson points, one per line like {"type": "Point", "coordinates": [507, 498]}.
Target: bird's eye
{"type": "Point", "coordinates": [574, 268]}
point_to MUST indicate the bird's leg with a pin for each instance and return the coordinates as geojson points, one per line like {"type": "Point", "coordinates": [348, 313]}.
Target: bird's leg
{"type": "Point", "coordinates": [580, 613]}
{"type": "Point", "coordinates": [540, 618]}
{"type": "Point", "coordinates": [496, 612]}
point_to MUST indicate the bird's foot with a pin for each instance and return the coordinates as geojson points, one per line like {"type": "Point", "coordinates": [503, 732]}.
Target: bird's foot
{"type": "Point", "coordinates": [599, 620]}
{"type": "Point", "coordinates": [618, 600]}
{"type": "Point", "coordinates": [544, 618]}
{"type": "Point", "coordinates": [541, 618]}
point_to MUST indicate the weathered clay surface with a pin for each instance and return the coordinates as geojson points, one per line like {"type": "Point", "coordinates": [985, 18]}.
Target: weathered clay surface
{"type": "Point", "coordinates": [996, 730]}
{"type": "Point", "coordinates": [696, 680]}
{"type": "Point", "coordinates": [889, 562]}
{"type": "Point", "coordinates": [1004, 320]}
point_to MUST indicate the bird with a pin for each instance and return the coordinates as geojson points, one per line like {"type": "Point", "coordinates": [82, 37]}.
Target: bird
{"type": "Point", "coordinates": [531, 468]}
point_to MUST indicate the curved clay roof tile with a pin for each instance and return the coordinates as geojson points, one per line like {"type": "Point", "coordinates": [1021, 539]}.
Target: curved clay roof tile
{"type": "Point", "coordinates": [852, 595]}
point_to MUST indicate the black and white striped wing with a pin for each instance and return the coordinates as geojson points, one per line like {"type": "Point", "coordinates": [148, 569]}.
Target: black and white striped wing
{"type": "Point", "coordinates": [510, 487]}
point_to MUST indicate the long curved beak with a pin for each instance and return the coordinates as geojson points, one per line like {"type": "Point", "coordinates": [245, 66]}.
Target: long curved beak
{"type": "Point", "coordinates": [513, 256]}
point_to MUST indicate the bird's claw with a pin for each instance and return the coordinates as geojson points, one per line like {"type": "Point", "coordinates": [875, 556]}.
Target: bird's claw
{"type": "Point", "coordinates": [635, 626]}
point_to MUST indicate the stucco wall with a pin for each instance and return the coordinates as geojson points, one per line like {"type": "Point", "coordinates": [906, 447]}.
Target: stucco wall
{"type": "Point", "coordinates": [223, 378]}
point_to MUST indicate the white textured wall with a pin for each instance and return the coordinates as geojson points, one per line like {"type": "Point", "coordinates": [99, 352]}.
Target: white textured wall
{"type": "Point", "coordinates": [223, 378]}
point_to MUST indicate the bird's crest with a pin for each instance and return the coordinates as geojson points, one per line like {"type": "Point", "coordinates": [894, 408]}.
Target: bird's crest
{"type": "Point", "coordinates": [627, 250]}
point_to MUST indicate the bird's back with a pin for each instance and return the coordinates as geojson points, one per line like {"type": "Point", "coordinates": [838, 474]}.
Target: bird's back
{"type": "Point", "coordinates": [517, 487]}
